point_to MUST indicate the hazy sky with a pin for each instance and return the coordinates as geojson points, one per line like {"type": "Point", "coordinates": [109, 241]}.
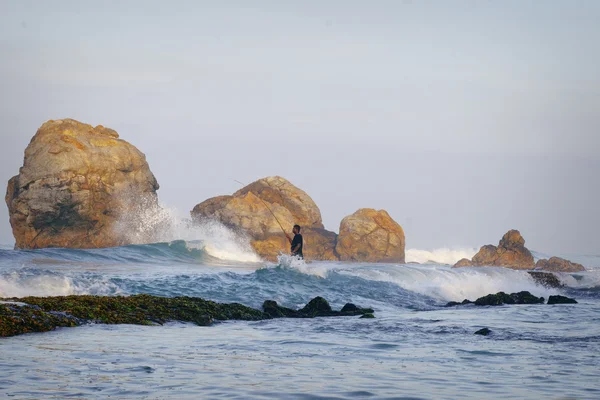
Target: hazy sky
{"type": "Point", "coordinates": [462, 118]}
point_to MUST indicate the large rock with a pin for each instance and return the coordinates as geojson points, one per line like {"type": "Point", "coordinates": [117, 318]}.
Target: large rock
{"type": "Point", "coordinates": [249, 212]}
{"type": "Point", "coordinates": [77, 186]}
{"type": "Point", "coordinates": [510, 252]}
{"type": "Point", "coordinates": [557, 264]}
{"type": "Point", "coordinates": [371, 236]}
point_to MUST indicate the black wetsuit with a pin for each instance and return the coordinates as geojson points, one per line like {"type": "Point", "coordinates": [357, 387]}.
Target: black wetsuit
{"type": "Point", "coordinates": [297, 241]}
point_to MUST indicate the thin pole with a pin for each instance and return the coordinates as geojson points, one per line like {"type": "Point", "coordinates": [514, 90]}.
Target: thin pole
{"type": "Point", "coordinates": [268, 208]}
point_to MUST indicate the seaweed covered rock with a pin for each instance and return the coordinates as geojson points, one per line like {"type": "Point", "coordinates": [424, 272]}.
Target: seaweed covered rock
{"type": "Point", "coordinates": [251, 211]}
{"type": "Point", "coordinates": [558, 264]}
{"type": "Point", "coordinates": [371, 236]}
{"type": "Point", "coordinates": [558, 299]}
{"type": "Point", "coordinates": [76, 185]}
{"type": "Point", "coordinates": [17, 319]}
{"type": "Point", "coordinates": [41, 314]}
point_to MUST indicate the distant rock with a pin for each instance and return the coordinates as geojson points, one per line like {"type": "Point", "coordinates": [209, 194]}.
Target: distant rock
{"type": "Point", "coordinates": [371, 236]}
{"type": "Point", "coordinates": [463, 262]}
{"type": "Point", "coordinates": [558, 299]}
{"type": "Point", "coordinates": [547, 279]}
{"type": "Point", "coordinates": [77, 185]}
{"type": "Point", "coordinates": [558, 264]}
{"type": "Point", "coordinates": [247, 211]}
{"type": "Point", "coordinates": [510, 252]}
{"type": "Point", "coordinates": [483, 332]}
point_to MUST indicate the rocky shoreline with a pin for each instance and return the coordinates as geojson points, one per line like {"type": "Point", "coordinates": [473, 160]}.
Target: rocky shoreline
{"type": "Point", "coordinates": [43, 314]}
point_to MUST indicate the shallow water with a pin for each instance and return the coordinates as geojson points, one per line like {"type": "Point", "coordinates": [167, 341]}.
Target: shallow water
{"type": "Point", "coordinates": [415, 348]}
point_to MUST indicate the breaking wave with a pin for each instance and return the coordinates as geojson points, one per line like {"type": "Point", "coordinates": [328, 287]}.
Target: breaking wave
{"type": "Point", "coordinates": [438, 256]}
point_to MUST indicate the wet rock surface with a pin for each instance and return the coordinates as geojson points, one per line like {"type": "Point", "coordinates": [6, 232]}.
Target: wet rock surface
{"type": "Point", "coordinates": [547, 279]}
{"type": "Point", "coordinates": [483, 332]}
{"type": "Point", "coordinates": [317, 307]}
{"type": "Point", "coordinates": [501, 298]}
{"type": "Point", "coordinates": [42, 314]}
{"type": "Point", "coordinates": [558, 299]}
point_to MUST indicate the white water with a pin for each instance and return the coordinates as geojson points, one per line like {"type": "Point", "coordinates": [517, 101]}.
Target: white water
{"type": "Point", "coordinates": [439, 256]}
{"type": "Point", "coordinates": [164, 224]}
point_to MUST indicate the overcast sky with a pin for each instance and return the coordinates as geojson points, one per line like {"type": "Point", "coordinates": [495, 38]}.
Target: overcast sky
{"type": "Point", "coordinates": [463, 119]}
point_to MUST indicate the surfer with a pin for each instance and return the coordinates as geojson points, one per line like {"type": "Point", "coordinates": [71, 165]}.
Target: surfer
{"type": "Point", "coordinates": [297, 243]}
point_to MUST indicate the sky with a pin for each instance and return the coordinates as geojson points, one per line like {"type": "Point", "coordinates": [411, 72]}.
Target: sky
{"type": "Point", "coordinates": [463, 119]}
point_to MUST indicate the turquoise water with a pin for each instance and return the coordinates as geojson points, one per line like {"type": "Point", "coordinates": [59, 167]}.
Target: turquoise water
{"type": "Point", "coordinates": [415, 348]}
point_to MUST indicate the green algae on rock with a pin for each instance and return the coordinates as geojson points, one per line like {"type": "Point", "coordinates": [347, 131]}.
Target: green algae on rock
{"type": "Point", "coordinates": [42, 314]}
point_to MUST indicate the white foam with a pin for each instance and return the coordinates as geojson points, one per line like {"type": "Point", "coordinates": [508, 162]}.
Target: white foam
{"type": "Point", "coordinates": [452, 284]}
{"type": "Point", "coordinates": [20, 284]}
{"type": "Point", "coordinates": [439, 256]}
{"type": "Point", "coordinates": [320, 269]}
{"type": "Point", "coordinates": [164, 224]}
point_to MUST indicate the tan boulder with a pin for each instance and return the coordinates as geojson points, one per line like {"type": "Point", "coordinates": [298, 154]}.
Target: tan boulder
{"type": "Point", "coordinates": [463, 262]}
{"type": "Point", "coordinates": [277, 190]}
{"type": "Point", "coordinates": [557, 264]}
{"type": "Point", "coordinates": [510, 252]}
{"type": "Point", "coordinates": [249, 212]}
{"type": "Point", "coordinates": [371, 236]}
{"type": "Point", "coordinates": [76, 185]}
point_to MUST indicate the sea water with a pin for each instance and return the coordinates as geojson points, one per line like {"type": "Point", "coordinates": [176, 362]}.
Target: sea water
{"type": "Point", "coordinates": [415, 348]}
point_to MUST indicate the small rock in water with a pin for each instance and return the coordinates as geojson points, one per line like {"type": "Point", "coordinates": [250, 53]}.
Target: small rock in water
{"type": "Point", "coordinates": [456, 303]}
{"type": "Point", "coordinates": [349, 307]}
{"type": "Point", "coordinates": [547, 279]}
{"type": "Point", "coordinates": [558, 299]}
{"type": "Point", "coordinates": [483, 332]}
{"type": "Point", "coordinates": [501, 298]}
{"type": "Point", "coordinates": [368, 315]}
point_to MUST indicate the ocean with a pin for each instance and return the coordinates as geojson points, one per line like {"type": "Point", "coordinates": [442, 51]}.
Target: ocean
{"type": "Point", "coordinates": [415, 348]}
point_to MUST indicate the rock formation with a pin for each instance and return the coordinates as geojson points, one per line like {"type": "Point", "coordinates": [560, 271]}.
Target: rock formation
{"type": "Point", "coordinates": [247, 211]}
{"type": "Point", "coordinates": [43, 314]}
{"type": "Point", "coordinates": [367, 235]}
{"type": "Point", "coordinates": [510, 252]}
{"type": "Point", "coordinates": [557, 264]}
{"type": "Point", "coordinates": [76, 184]}
{"type": "Point", "coordinates": [372, 236]}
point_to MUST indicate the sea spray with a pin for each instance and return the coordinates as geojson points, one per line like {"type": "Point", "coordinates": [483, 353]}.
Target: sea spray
{"type": "Point", "coordinates": [164, 224]}
{"type": "Point", "coordinates": [439, 256]}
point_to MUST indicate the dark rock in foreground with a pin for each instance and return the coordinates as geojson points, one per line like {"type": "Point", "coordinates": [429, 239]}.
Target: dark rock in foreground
{"type": "Point", "coordinates": [547, 279]}
{"type": "Point", "coordinates": [483, 332]}
{"type": "Point", "coordinates": [502, 298]}
{"type": "Point", "coordinates": [561, 300]}
{"type": "Point", "coordinates": [42, 314]}
{"type": "Point", "coordinates": [317, 307]}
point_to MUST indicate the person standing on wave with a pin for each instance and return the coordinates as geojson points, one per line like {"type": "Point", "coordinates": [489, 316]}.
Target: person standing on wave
{"type": "Point", "coordinates": [297, 243]}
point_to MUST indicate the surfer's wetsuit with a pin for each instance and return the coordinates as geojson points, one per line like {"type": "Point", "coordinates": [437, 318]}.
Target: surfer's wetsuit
{"type": "Point", "coordinates": [297, 241]}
